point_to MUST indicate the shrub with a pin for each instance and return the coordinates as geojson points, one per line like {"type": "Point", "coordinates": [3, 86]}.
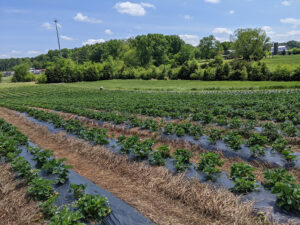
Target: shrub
{"type": "Point", "coordinates": [21, 71]}
{"type": "Point", "coordinates": [281, 73]}
{"type": "Point", "coordinates": [1, 75]}
{"type": "Point", "coordinates": [296, 74]}
{"type": "Point", "coordinates": [208, 164]}
{"type": "Point", "coordinates": [41, 79]}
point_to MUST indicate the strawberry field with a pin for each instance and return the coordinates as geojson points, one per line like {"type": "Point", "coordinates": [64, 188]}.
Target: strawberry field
{"type": "Point", "coordinates": [236, 151]}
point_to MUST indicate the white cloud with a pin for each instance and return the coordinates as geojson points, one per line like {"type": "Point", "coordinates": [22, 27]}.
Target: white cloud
{"type": "Point", "coordinates": [67, 38]}
{"type": "Point", "coordinates": [32, 52]}
{"type": "Point", "coordinates": [147, 5]}
{"type": "Point", "coordinates": [187, 17]}
{"type": "Point", "coordinates": [50, 26]}
{"type": "Point", "coordinates": [133, 9]}
{"type": "Point", "coordinates": [213, 1]}
{"type": "Point", "coordinates": [269, 30]}
{"type": "Point", "coordinates": [109, 32]}
{"type": "Point", "coordinates": [231, 12]}
{"type": "Point", "coordinates": [286, 3]}
{"type": "Point", "coordinates": [222, 30]}
{"type": "Point", "coordinates": [190, 39]}
{"type": "Point", "coordinates": [93, 41]}
{"type": "Point", "coordinates": [293, 21]}
{"type": "Point", "coordinates": [81, 18]}
{"type": "Point", "coordinates": [15, 52]}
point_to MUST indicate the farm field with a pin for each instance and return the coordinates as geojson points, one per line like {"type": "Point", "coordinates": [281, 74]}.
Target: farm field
{"type": "Point", "coordinates": [290, 61]}
{"type": "Point", "coordinates": [244, 142]}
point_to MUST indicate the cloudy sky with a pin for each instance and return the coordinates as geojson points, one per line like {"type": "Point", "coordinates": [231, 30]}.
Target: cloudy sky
{"type": "Point", "coordinates": [27, 27]}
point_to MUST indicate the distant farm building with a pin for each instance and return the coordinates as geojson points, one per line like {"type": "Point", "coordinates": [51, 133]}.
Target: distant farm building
{"type": "Point", "coordinates": [8, 73]}
{"type": "Point", "coordinates": [277, 49]}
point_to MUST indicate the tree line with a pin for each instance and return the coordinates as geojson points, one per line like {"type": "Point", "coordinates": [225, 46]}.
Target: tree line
{"type": "Point", "coordinates": [159, 56]}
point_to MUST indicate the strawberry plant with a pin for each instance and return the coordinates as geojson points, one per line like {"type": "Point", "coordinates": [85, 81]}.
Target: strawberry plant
{"type": "Point", "coordinates": [222, 120]}
{"type": "Point", "coordinates": [78, 190]}
{"type": "Point", "coordinates": [257, 139]}
{"type": "Point", "coordinates": [233, 140]}
{"type": "Point", "coordinates": [40, 189]}
{"type": "Point", "coordinates": [289, 129]}
{"type": "Point", "coordinates": [169, 128]}
{"type": "Point", "coordinates": [62, 172]}
{"type": "Point", "coordinates": [235, 123]}
{"type": "Point", "coordinates": [243, 178]}
{"type": "Point", "coordinates": [270, 131]}
{"type": "Point", "coordinates": [272, 176]}
{"type": "Point", "coordinates": [142, 150]}
{"type": "Point", "coordinates": [66, 217]}
{"type": "Point", "coordinates": [215, 135]}
{"type": "Point", "coordinates": [157, 159]}
{"type": "Point", "coordinates": [208, 164]}
{"type": "Point", "coordinates": [182, 157]}
{"type": "Point", "coordinates": [51, 164]}
{"type": "Point", "coordinates": [257, 150]}
{"type": "Point", "coordinates": [164, 151]}
{"type": "Point", "coordinates": [41, 156]}
{"type": "Point", "coordinates": [48, 207]}
{"type": "Point", "coordinates": [288, 196]}
{"type": "Point", "coordinates": [93, 207]}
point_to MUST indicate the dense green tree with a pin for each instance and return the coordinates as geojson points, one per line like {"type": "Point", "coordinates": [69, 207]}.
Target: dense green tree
{"type": "Point", "coordinates": [250, 44]}
{"type": "Point", "coordinates": [209, 47]}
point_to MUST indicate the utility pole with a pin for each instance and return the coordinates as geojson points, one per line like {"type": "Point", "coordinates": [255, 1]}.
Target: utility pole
{"type": "Point", "coordinates": [55, 21]}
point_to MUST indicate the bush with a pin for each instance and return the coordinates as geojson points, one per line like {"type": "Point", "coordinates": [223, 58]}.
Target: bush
{"type": "Point", "coordinates": [41, 79]}
{"type": "Point", "coordinates": [281, 73]}
{"type": "Point", "coordinates": [21, 71]}
{"type": "Point", "coordinates": [296, 74]}
{"type": "Point", "coordinates": [243, 178]}
{"type": "Point", "coordinates": [1, 75]}
{"type": "Point", "coordinates": [277, 175]}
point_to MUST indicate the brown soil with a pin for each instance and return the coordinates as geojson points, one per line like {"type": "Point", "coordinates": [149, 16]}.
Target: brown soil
{"type": "Point", "coordinates": [15, 207]}
{"type": "Point", "coordinates": [157, 194]}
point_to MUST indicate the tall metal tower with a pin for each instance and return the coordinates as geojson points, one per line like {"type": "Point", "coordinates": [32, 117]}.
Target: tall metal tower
{"type": "Point", "coordinates": [56, 21]}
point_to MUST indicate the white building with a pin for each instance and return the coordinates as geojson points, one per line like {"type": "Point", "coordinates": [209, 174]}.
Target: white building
{"type": "Point", "coordinates": [280, 49]}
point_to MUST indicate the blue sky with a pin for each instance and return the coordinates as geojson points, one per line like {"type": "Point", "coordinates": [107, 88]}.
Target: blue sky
{"type": "Point", "coordinates": [27, 27]}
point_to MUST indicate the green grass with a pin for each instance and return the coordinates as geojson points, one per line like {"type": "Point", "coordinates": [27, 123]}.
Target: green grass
{"type": "Point", "coordinates": [291, 61]}
{"type": "Point", "coordinates": [6, 83]}
{"type": "Point", "coordinates": [180, 85]}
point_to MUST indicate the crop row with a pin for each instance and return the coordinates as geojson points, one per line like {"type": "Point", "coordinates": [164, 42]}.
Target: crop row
{"type": "Point", "coordinates": [240, 133]}
{"type": "Point", "coordinates": [254, 105]}
{"type": "Point", "coordinates": [86, 208]}
{"type": "Point", "coordinates": [241, 173]}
